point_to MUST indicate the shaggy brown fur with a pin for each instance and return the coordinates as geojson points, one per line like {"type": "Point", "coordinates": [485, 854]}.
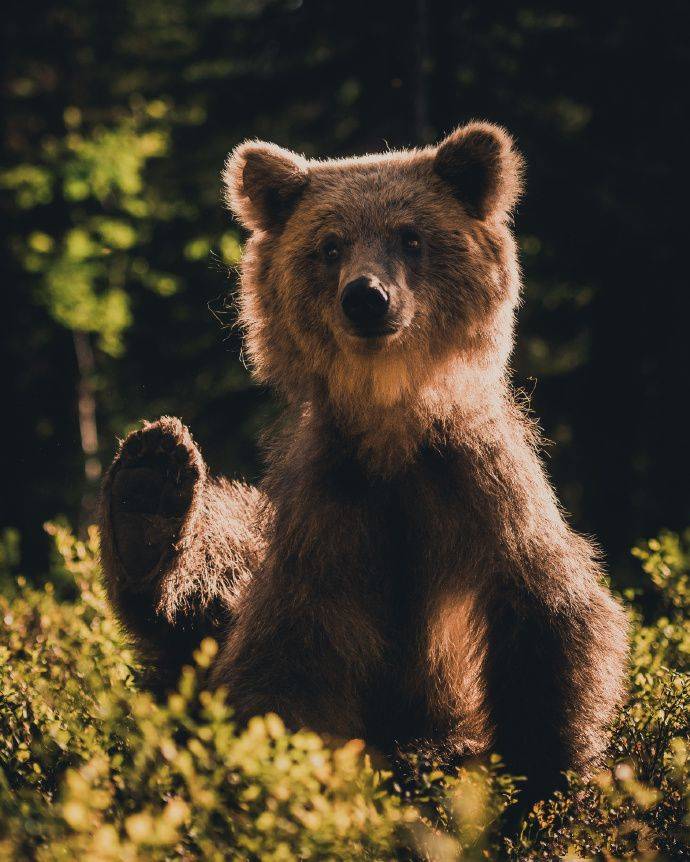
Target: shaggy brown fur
{"type": "Point", "coordinates": [405, 573]}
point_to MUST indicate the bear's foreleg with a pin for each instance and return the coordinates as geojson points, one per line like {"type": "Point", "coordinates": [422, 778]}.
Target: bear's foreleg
{"type": "Point", "coordinates": [554, 679]}
{"type": "Point", "coordinates": [176, 546]}
{"type": "Point", "coordinates": [557, 639]}
{"type": "Point", "coordinates": [307, 637]}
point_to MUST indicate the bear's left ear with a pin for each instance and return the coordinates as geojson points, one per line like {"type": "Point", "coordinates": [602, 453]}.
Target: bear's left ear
{"type": "Point", "coordinates": [481, 165]}
{"type": "Point", "coordinates": [263, 183]}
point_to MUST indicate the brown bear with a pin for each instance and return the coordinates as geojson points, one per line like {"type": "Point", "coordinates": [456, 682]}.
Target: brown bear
{"type": "Point", "coordinates": [404, 574]}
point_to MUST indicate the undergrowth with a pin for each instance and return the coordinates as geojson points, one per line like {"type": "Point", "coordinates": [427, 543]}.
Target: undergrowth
{"type": "Point", "coordinates": [94, 768]}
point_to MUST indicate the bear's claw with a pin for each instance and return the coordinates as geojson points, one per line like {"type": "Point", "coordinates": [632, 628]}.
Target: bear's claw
{"type": "Point", "coordinates": [150, 494]}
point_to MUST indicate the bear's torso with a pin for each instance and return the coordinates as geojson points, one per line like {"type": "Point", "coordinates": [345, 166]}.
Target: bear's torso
{"type": "Point", "coordinates": [435, 565]}
{"type": "Point", "coordinates": [409, 551]}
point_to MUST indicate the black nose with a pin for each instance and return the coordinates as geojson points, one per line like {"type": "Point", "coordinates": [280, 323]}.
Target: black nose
{"type": "Point", "coordinates": [365, 303]}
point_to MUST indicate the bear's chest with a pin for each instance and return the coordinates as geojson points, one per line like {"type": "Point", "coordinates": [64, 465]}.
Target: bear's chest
{"type": "Point", "coordinates": [418, 529]}
{"type": "Point", "coordinates": [386, 549]}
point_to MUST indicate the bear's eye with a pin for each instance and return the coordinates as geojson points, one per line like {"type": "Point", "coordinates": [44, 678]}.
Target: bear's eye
{"type": "Point", "coordinates": [331, 251]}
{"type": "Point", "coordinates": [411, 240]}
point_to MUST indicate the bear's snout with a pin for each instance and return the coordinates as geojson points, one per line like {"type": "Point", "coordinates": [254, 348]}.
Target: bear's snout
{"type": "Point", "coordinates": [368, 307]}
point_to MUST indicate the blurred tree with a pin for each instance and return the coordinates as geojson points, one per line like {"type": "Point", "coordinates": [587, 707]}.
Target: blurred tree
{"type": "Point", "coordinates": [592, 95]}
{"type": "Point", "coordinates": [87, 259]}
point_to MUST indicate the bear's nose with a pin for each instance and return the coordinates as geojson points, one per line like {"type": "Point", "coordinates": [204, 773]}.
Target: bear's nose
{"type": "Point", "coordinates": [365, 303]}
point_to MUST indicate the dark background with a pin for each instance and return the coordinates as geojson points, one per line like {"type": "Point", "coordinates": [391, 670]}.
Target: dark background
{"type": "Point", "coordinates": [595, 95]}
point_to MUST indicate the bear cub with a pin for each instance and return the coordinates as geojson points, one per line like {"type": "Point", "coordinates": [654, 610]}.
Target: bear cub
{"type": "Point", "coordinates": [404, 573]}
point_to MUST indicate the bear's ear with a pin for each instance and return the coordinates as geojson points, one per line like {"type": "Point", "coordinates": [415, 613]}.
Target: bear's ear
{"type": "Point", "coordinates": [481, 165]}
{"type": "Point", "coordinates": [263, 183]}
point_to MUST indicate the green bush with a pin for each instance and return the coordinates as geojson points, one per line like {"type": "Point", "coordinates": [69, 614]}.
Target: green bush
{"type": "Point", "coordinates": [92, 767]}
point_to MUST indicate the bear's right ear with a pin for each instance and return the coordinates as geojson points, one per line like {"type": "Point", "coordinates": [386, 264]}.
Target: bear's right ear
{"type": "Point", "coordinates": [263, 183]}
{"type": "Point", "coordinates": [482, 167]}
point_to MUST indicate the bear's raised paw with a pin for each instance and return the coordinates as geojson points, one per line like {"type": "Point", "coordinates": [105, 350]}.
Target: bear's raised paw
{"type": "Point", "coordinates": [150, 495]}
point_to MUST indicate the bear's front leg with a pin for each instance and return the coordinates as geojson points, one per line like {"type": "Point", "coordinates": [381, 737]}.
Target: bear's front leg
{"type": "Point", "coordinates": [556, 644]}
{"type": "Point", "coordinates": [307, 637]}
{"type": "Point", "coordinates": [289, 664]}
{"type": "Point", "coordinates": [176, 546]}
{"type": "Point", "coordinates": [554, 680]}
{"type": "Point", "coordinates": [150, 500]}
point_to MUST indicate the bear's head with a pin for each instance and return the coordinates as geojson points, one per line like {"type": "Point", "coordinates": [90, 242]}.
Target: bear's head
{"type": "Point", "coordinates": [374, 277]}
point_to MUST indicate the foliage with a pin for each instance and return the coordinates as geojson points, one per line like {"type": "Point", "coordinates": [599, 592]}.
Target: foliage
{"type": "Point", "coordinates": [117, 121]}
{"type": "Point", "coordinates": [118, 118]}
{"type": "Point", "coordinates": [93, 767]}
{"type": "Point", "coordinates": [87, 260]}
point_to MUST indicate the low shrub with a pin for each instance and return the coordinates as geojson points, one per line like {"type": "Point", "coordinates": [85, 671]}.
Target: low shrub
{"type": "Point", "coordinates": [93, 767]}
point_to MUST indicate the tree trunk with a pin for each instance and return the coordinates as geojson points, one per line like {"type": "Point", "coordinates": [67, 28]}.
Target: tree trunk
{"type": "Point", "coordinates": [88, 428]}
{"type": "Point", "coordinates": [421, 73]}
